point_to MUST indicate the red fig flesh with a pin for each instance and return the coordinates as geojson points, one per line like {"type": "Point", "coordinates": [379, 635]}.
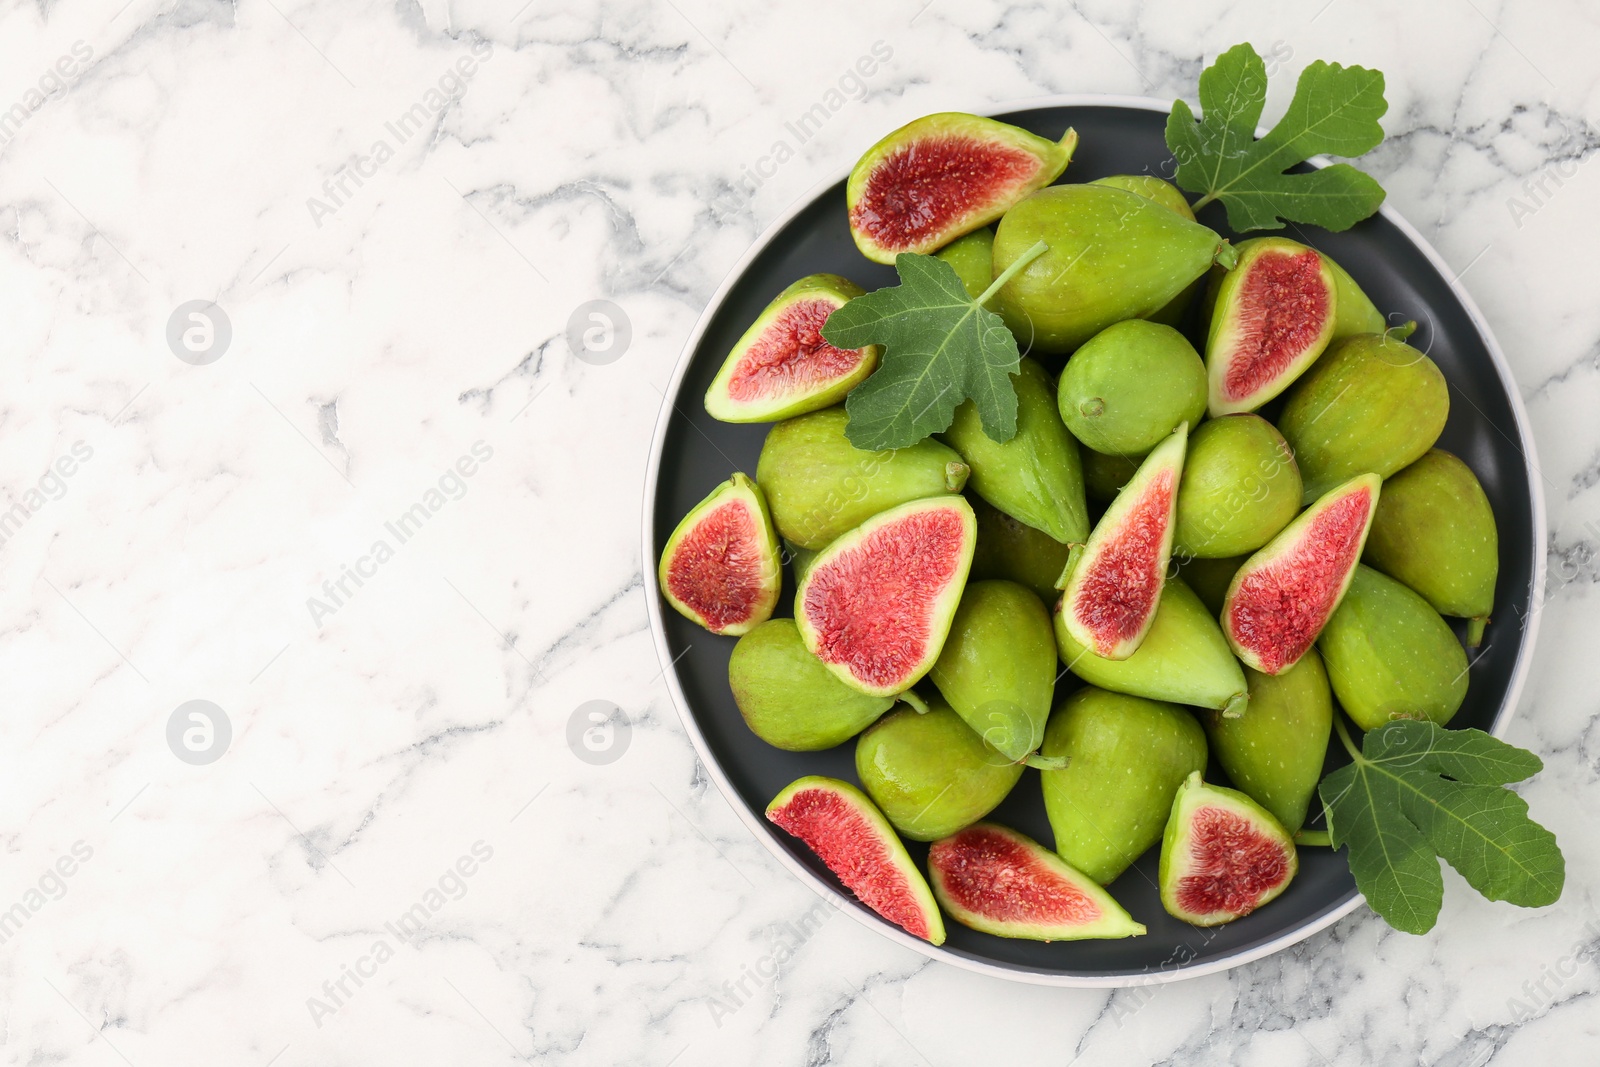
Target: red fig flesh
{"type": "Point", "coordinates": [855, 841]}
{"type": "Point", "coordinates": [875, 606]}
{"type": "Point", "coordinates": [942, 176]}
{"type": "Point", "coordinates": [1274, 314]}
{"type": "Point", "coordinates": [1282, 597]}
{"type": "Point", "coordinates": [721, 566]}
{"type": "Point", "coordinates": [1222, 856]}
{"type": "Point", "coordinates": [1111, 596]}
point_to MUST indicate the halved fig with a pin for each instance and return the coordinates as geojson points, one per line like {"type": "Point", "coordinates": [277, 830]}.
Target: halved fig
{"type": "Point", "coordinates": [855, 841]}
{"type": "Point", "coordinates": [942, 176]}
{"type": "Point", "coordinates": [875, 605]}
{"type": "Point", "coordinates": [1273, 316]}
{"type": "Point", "coordinates": [1222, 856]}
{"type": "Point", "coordinates": [1282, 597]}
{"type": "Point", "coordinates": [782, 367]}
{"type": "Point", "coordinates": [721, 566]}
{"type": "Point", "coordinates": [1000, 882]}
{"type": "Point", "coordinates": [1114, 586]}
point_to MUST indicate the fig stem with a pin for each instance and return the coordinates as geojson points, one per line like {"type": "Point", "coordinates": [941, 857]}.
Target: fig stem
{"type": "Point", "coordinates": [918, 705]}
{"type": "Point", "coordinates": [1403, 331]}
{"type": "Point", "coordinates": [1039, 248]}
{"type": "Point", "coordinates": [1313, 837]}
{"type": "Point", "coordinates": [1074, 554]}
{"type": "Point", "coordinates": [1227, 256]}
{"type": "Point", "coordinates": [1235, 706]}
{"type": "Point", "coordinates": [1039, 761]}
{"type": "Point", "coordinates": [1475, 630]}
{"type": "Point", "coordinates": [1344, 738]}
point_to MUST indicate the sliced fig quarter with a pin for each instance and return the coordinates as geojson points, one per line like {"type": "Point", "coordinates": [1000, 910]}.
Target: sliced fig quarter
{"type": "Point", "coordinates": [1114, 587]}
{"type": "Point", "coordinates": [1000, 882]}
{"type": "Point", "coordinates": [1222, 856]}
{"type": "Point", "coordinates": [942, 176]}
{"type": "Point", "coordinates": [1273, 316]}
{"type": "Point", "coordinates": [782, 367]}
{"type": "Point", "coordinates": [721, 567]}
{"type": "Point", "coordinates": [853, 839]}
{"type": "Point", "coordinates": [1282, 597]}
{"type": "Point", "coordinates": [876, 605]}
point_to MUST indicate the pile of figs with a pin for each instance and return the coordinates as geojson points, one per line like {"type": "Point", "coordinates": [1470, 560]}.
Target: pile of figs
{"type": "Point", "coordinates": [1219, 549]}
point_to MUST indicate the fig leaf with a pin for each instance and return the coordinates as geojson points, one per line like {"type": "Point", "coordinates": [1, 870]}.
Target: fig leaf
{"type": "Point", "coordinates": [1415, 792]}
{"type": "Point", "coordinates": [1335, 110]}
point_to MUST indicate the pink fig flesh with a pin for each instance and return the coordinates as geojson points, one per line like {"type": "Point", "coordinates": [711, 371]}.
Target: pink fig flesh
{"type": "Point", "coordinates": [1274, 316]}
{"type": "Point", "coordinates": [720, 567]}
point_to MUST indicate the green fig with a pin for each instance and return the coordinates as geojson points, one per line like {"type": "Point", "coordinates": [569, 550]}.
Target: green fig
{"type": "Point", "coordinates": [799, 559]}
{"type": "Point", "coordinates": [998, 666]}
{"type": "Point", "coordinates": [1170, 197]}
{"type": "Point", "coordinates": [1130, 385]}
{"type": "Point", "coordinates": [1126, 757]}
{"type": "Point", "coordinates": [1275, 752]}
{"type": "Point", "coordinates": [1391, 656]}
{"type": "Point", "coordinates": [720, 568]}
{"type": "Point", "coordinates": [1184, 658]}
{"type": "Point", "coordinates": [819, 485]}
{"type": "Point", "coordinates": [788, 698]}
{"type": "Point", "coordinates": [1222, 855]}
{"type": "Point", "coordinates": [1434, 530]}
{"type": "Point", "coordinates": [1371, 403]}
{"type": "Point", "coordinates": [1035, 476]}
{"type": "Point", "coordinates": [1354, 312]}
{"type": "Point", "coordinates": [973, 258]}
{"type": "Point", "coordinates": [1210, 578]}
{"type": "Point", "coordinates": [1240, 487]}
{"type": "Point", "coordinates": [1105, 475]}
{"type": "Point", "coordinates": [929, 773]}
{"type": "Point", "coordinates": [1112, 255]}
{"type": "Point", "coordinates": [1017, 552]}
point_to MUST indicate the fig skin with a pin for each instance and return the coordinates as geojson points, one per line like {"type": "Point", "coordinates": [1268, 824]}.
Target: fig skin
{"type": "Point", "coordinates": [1036, 476]}
{"type": "Point", "coordinates": [1354, 311]}
{"type": "Point", "coordinates": [1105, 475]}
{"type": "Point", "coordinates": [1184, 658]}
{"type": "Point", "coordinates": [820, 486]}
{"type": "Point", "coordinates": [1194, 795]}
{"type": "Point", "coordinates": [1014, 551]}
{"type": "Point", "coordinates": [1170, 197]}
{"type": "Point", "coordinates": [1275, 753]}
{"type": "Point", "coordinates": [1210, 579]}
{"type": "Point", "coordinates": [1113, 255]}
{"type": "Point", "coordinates": [998, 666]}
{"type": "Point", "coordinates": [1053, 158]}
{"type": "Point", "coordinates": [1240, 487]}
{"type": "Point", "coordinates": [1390, 655]}
{"type": "Point", "coordinates": [1371, 403]}
{"type": "Point", "coordinates": [827, 287]}
{"type": "Point", "coordinates": [738, 486]}
{"type": "Point", "coordinates": [929, 773]}
{"type": "Point", "coordinates": [972, 257]}
{"type": "Point", "coordinates": [1435, 531]}
{"type": "Point", "coordinates": [1126, 757]}
{"type": "Point", "coordinates": [789, 699]}
{"type": "Point", "coordinates": [1130, 385]}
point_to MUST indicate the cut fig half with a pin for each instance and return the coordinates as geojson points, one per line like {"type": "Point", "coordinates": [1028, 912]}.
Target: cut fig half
{"type": "Point", "coordinates": [1274, 314]}
{"type": "Point", "coordinates": [1114, 586]}
{"type": "Point", "coordinates": [1282, 597]}
{"type": "Point", "coordinates": [942, 176]}
{"type": "Point", "coordinates": [1000, 882]}
{"type": "Point", "coordinates": [782, 367]}
{"type": "Point", "coordinates": [875, 606]}
{"type": "Point", "coordinates": [1222, 856]}
{"type": "Point", "coordinates": [853, 839]}
{"type": "Point", "coordinates": [721, 567]}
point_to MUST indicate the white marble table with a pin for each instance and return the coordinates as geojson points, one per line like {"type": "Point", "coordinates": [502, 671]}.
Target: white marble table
{"type": "Point", "coordinates": [397, 207]}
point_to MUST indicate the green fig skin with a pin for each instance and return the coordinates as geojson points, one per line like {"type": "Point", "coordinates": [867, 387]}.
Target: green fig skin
{"type": "Point", "coordinates": [1104, 476]}
{"type": "Point", "coordinates": [1210, 578]}
{"type": "Point", "coordinates": [1390, 655]}
{"type": "Point", "coordinates": [929, 773]}
{"type": "Point", "coordinates": [1434, 530]}
{"type": "Point", "coordinates": [1126, 757]}
{"type": "Point", "coordinates": [789, 699]}
{"type": "Point", "coordinates": [973, 258]}
{"type": "Point", "coordinates": [1130, 385]}
{"type": "Point", "coordinates": [998, 666]}
{"type": "Point", "coordinates": [1354, 312]}
{"type": "Point", "coordinates": [819, 485]}
{"type": "Point", "coordinates": [1240, 487]}
{"type": "Point", "coordinates": [1017, 552]}
{"type": "Point", "coordinates": [1274, 753]}
{"type": "Point", "coordinates": [1170, 197]}
{"type": "Point", "coordinates": [1184, 658]}
{"type": "Point", "coordinates": [1371, 403]}
{"type": "Point", "coordinates": [1036, 476]}
{"type": "Point", "coordinates": [1177, 846]}
{"type": "Point", "coordinates": [1113, 255]}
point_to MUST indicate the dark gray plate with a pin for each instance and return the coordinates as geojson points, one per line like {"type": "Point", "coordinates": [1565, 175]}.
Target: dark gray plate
{"type": "Point", "coordinates": [693, 452]}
